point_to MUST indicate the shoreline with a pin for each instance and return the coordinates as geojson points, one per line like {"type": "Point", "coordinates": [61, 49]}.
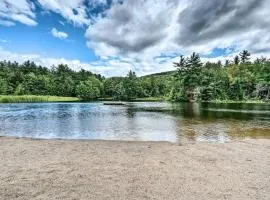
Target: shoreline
{"type": "Point", "coordinates": [98, 140]}
{"type": "Point", "coordinates": [4, 99]}
{"type": "Point", "coordinates": [99, 169]}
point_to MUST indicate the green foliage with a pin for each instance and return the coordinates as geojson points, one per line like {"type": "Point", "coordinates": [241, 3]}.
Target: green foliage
{"type": "Point", "coordinates": [90, 89]}
{"type": "Point", "coordinates": [212, 82]}
{"type": "Point", "coordinates": [30, 79]}
{"type": "Point", "coordinates": [238, 80]}
{"type": "Point", "coordinates": [111, 85]}
{"type": "Point", "coordinates": [236, 60]}
{"type": "Point", "coordinates": [3, 86]}
{"type": "Point", "coordinates": [189, 72]}
{"type": "Point", "coordinates": [128, 88]}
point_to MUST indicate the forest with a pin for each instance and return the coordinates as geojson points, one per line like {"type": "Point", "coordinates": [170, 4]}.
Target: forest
{"type": "Point", "coordinates": [239, 79]}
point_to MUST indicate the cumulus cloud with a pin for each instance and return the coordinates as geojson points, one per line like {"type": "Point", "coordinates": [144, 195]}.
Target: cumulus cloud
{"type": "Point", "coordinates": [223, 23]}
{"type": "Point", "coordinates": [17, 11]}
{"type": "Point", "coordinates": [104, 67]}
{"type": "Point", "coordinates": [78, 12]}
{"type": "Point", "coordinates": [148, 35]}
{"type": "Point", "coordinates": [59, 34]}
{"type": "Point", "coordinates": [135, 26]}
{"type": "Point", "coordinates": [131, 27]}
{"type": "Point", "coordinates": [143, 30]}
{"type": "Point", "coordinates": [72, 10]}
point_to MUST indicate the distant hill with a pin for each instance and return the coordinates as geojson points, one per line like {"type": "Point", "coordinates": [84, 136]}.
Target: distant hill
{"type": "Point", "coordinates": [168, 73]}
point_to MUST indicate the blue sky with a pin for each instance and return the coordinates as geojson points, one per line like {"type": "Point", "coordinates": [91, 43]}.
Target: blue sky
{"type": "Point", "coordinates": [39, 39]}
{"type": "Point", "coordinates": [113, 36]}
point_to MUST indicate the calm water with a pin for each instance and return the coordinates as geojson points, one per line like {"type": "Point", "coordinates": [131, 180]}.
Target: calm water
{"type": "Point", "coordinates": [136, 121]}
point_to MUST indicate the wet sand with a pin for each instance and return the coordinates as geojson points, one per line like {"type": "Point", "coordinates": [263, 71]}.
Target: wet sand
{"type": "Point", "coordinates": [59, 169]}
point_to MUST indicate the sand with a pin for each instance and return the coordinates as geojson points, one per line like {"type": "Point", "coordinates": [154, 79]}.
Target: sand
{"type": "Point", "coordinates": [59, 169]}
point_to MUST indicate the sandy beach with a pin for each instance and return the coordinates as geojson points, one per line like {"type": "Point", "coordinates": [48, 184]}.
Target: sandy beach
{"type": "Point", "coordinates": [60, 169]}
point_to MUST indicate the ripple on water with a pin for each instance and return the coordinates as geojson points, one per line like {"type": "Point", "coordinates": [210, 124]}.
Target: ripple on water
{"type": "Point", "coordinates": [142, 121]}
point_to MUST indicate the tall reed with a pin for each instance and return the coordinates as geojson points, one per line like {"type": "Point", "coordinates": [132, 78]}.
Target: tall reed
{"type": "Point", "coordinates": [34, 99]}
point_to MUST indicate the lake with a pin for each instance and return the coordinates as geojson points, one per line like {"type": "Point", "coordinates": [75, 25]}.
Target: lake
{"type": "Point", "coordinates": [144, 121]}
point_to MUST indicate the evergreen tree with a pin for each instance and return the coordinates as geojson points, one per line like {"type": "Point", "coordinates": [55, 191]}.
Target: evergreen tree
{"type": "Point", "coordinates": [236, 60]}
{"type": "Point", "coordinates": [245, 56]}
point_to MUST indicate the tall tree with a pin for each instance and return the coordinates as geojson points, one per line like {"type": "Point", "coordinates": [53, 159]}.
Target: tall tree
{"type": "Point", "coordinates": [90, 89]}
{"type": "Point", "coordinates": [181, 65]}
{"type": "Point", "coordinates": [194, 61]}
{"type": "Point", "coordinates": [189, 74]}
{"type": "Point", "coordinates": [236, 60]}
{"type": "Point", "coordinates": [128, 88]}
{"type": "Point", "coordinates": [245, 56]}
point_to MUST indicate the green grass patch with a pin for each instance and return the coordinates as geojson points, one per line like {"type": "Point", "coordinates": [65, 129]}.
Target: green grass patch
{"type": "Point", "coordinates": [244, 101]}
{"type": "Point", "coordinates": [35, 99]}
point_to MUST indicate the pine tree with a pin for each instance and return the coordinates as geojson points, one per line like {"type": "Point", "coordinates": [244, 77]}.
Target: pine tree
{"type": "Point", "coordinates": [236, 60]}
{"type": "Point", "coordinates": [245, 56]}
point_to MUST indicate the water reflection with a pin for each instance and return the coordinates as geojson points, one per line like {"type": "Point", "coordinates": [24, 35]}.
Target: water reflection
{"type": "Point", "coordinates": [136, 121]}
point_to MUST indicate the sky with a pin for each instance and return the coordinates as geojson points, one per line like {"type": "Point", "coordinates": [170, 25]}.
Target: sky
{"type": "Point", "coordinates": [111, 37]}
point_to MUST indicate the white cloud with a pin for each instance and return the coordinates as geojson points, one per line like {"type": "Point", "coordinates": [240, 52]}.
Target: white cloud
{"type": "Point", "coordinates": [78, 12]}
{"type": "Point", "coordinates": [59, 34]}
{"type": "Point", "coordinates": [72, 10]}
{"type": "Point", "coordinates": [107, 68]}
{"type": "Point", "coordinates": [142, 30]}
{"type": "Point", "coordinates": [6, 23]}
{"type": "Point", "coordinates": [62, 23]}
{"type": "Point", "coordinates": [17, 11]}
{"type": "Point", "coordinates": [23, 19]}
{"type": "Point", "coordinates": [134, 34]}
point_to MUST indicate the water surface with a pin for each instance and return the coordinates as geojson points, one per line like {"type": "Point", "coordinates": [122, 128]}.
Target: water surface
{"type": "Point", "coordinates": [136, 121]}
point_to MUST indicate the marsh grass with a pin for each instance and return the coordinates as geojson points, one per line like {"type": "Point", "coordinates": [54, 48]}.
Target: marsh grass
{"type": "Point", "coordinates": [35, 99]}
{"type": "Point", "coordinates": [239, 102]}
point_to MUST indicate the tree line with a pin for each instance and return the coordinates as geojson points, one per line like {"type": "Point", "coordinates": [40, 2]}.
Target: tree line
{"type": "Point", "coordinates": [238, 79]}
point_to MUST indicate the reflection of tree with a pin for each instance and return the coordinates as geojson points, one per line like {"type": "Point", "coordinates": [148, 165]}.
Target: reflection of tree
{"type": "Point", "coordinates": [184, 130]}
{"type": "Point", "coordinates": [193, 109]}
{"type": "Point", "coordinates": [249, 130]}
{"type": "Point", "coordinates": [201, 130]}
{"type": "Point", "coordinates": [132, 121]}
{"type": "Point", "coordinates": [131, 112]}
{"type": "Point", "coordinates": [64, 121]}
{"type": "Point", "coordinates": [188, 110]}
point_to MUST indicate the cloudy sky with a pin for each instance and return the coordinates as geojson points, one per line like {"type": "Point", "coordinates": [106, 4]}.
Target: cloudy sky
{"type": "Point", "coordinates": [113, 36]}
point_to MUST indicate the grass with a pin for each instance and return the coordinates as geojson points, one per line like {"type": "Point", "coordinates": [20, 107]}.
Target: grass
{"type": "Point", "coordinates": [35, 99]}
{"type": "Point", "coordinates": [244, 101]}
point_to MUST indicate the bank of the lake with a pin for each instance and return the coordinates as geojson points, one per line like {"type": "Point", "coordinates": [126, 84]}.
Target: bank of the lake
{"type": "Point", "coordinates": [240, 102]}
{"type": "Point", "coordinates": [146, 99]}
{"type": "Point", "coordinates": [40, 99]}
{"type": "Point", "coordinates": [35, 99]}
{"type": "Point", "coordinates": [62, 169]}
